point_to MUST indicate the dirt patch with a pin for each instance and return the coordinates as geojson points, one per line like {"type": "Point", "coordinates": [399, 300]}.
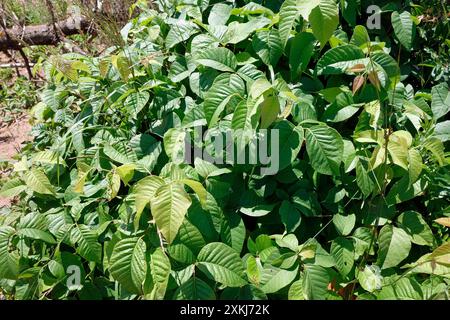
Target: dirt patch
{"type": "Point", "coordinates": [12, 139]}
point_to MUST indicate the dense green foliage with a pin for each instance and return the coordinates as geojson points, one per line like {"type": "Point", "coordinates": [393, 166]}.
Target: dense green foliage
{"type": "Point", "coordinates": [360, 206]}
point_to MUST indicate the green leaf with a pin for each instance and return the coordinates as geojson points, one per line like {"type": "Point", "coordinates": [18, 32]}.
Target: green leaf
{"type": "Point", "coordinates": [306, 202]}
{"type": "Point", "coordinates": [344, 223]}
{"type": "Point", "coordinates": [193, 235]}
{"type": "Point", "coordinates": [222, 263]}
{"type": "Point", "coordinates": [386, 65]}
{"type": "Point", "coordinates": [113, 185]}
{"type": "Point", "coordinates": [224, 91]}
{"type": "Point", "coordinates": [201, 42]}
{"type": "Point", "coordinates": [274, 279]}
{"type": "Point", "coordinates": [232, 231]}
{"type": "Point", "coordinates": [12, 188]}
{"type": "Point", "coordinates": [182, 67]}
{"type": "Point", "coordinates": [52, 98]}
{"type": "Point", "coordinates": [169, 206]}
{"type": "Point", "coordinates": [128, 264]}
{"type": "Point", "coordinates": [342, 250]}
{"type": "Point", "coordinates": [288, 14]}
{"type": "Point", "coordinates": [315, 282]}
{"type": "Point", "coordinates": [270, 108]}
{"type": "Point", "coordinates": [442, 131]}
{"type": "Point", "coordinates": [245, 116]}
{"type": "Point", "coordinates": [237, 32]}
{"type": "Point", "coordinates": [415, 165]}
{"type": "Point", "coordinates": [194, 289]}
{"type": "Point", "coordinates": [83, 171]}
{"type": "Point", "coordinates": [436, 147]}
{"type": "Point", "coordinates": [174, 144]}
{"type": "Point", "coordinates": [408, 289]}
{"type": "Point", "coordinates": [126, 172]}
{"type": "Point", "coordinates": [249, 72]}
{"type": "Point", "coordinates": [349, 157]}
{"type": "Point", "coordinates": [254, 269]}
{"type": "Point", "coordinates": [341, 109]}
{"type": "Point", "coordinates": [394, 246]}
{"type": "Point", "coordinates": [349, 10]}
{"type": "Point", "coordinates": [302, 49]}
{"type": "Point", "coordinates": [296, 290]}
{"type": "Point", "coordinates": [401, 191]}
{"type": "Point", "coordinates": [103, 67]}
{"type": "Point", "coordinates": [160, 271]}
{"type": "Point", "coordinates": [259, 87]}
{"type": "Point", "coordinates": [37, 181]}
{"type": "Point", "coordinates": [48, 157]}
{"type": "Point", "coordinates": [325, 149]}
{"type": "Point", "coordinates": [144, 191]}
{"type": "Point", "coordinates": [324, 19]}
{"type": "Point", "coordinates": [340, 59]}
{"type": "Point", "coordinates": [440, 103]}
{"type": "Point", "coordinates": [259, 210]}
{"type": "Point", "coordinates": [414, 224]}
{"type": "Point", "coordinates": [209, 170]}
{"type": "Point", "coordinates": [290, 10]}
{"type": "Point", "coordinates": [360, 37]}
{"type": "Point", "coordinates": [219, 15]}
{"type": "Point", "coordinates": [291, 138]}
{"type": "Point", "coordinates": [120, 152]}
{"type": "Point", "coordinates": [221, 59]}
{"type": "Point", "coordinates": [122, 65]}
{"type": "Point", "coordinates": [136, 101]}
{"type": "Point", "coordinates": [181, 253]}
{"type": "Point", "coordinates": [88, 246]}
{"type": "Point", "coordinates": [427, 265]}
{"type": "Point", "coordinates": [9, 262]}
{"type": "Point", "coordinates": [404, 28]}
{"type": "Point", "coordinates": [363, 179]}
{"type": "Point", "coordinates": [180, 30]}
{"type": "Point", "coordinates": [370, 278]}
{"type": "Point", "coordinates": [268, 46]}
{"type": "Point", "coordinates": [37, 234]}
{"type": "Point", "coordinates": [198, 189]}
{"type": "Point", "coordinates": [290, 216]}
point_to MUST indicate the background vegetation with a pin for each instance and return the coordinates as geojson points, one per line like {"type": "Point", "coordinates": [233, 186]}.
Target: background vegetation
{"type": "Point", "coordinates": [359, 210]}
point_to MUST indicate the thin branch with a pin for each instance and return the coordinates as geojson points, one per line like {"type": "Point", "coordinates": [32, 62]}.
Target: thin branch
{"type": "Point", "coordinates": [27, 63]}
{"type": "Point", "coordinates": [54, 24]}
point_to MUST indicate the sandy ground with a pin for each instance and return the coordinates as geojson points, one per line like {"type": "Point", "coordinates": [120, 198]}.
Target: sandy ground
{"type": "Point", "coordinates": [12, 139]}
{"type": "Point", "coordinates": [14, 135]}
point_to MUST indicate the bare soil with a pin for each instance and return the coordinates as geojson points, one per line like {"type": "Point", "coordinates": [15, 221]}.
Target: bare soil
{"type": "Point", "coordinates": [13, 135]}
{"type": "Point", "coordinates": [12, 139]}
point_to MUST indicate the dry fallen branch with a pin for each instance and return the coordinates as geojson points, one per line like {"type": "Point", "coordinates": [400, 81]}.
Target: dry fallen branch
{"type": "Point", "coordinates": [18, 37]}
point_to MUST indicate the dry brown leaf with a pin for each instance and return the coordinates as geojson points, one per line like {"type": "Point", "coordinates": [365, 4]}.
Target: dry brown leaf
{"type": "Point", "coordinates": [443, 221]}
{"type": "Point", "coordinates": [357, 83]}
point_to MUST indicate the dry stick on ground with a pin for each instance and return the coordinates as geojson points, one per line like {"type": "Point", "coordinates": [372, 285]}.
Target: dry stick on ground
{"type": "Point", "coordinates": [14, 65]}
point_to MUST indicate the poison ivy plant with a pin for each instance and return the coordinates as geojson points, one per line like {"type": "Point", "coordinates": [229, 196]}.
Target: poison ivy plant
{"type": "Point", "coordinates": [119, 186]}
